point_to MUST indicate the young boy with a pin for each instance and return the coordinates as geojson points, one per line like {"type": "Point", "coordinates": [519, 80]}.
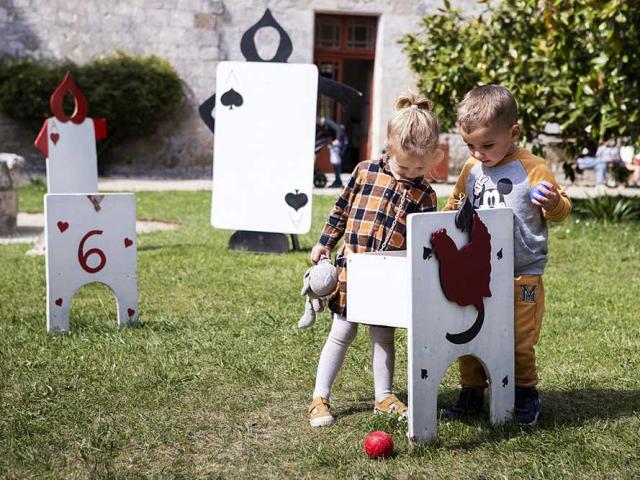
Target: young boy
{"type": "Point", "coordinates": [501, 174]}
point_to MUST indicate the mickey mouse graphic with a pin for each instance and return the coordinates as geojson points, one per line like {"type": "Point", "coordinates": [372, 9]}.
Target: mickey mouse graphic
{"type": "Point", "coordinates": [484, 197]}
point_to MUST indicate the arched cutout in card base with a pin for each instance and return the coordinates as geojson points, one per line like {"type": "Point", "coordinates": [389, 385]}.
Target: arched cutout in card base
{"type": "Point", "coordinates": [58, 320]}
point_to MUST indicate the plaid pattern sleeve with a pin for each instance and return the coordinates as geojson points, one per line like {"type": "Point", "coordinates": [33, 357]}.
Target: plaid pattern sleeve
{"type": "Point", "coordinates": [334, 228]}
{"type": "Point", "coordinates": [371, 215]}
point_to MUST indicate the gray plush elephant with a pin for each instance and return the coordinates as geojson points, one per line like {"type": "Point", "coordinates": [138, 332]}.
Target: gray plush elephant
{"type": "Point", "coordinates": [319, 281]}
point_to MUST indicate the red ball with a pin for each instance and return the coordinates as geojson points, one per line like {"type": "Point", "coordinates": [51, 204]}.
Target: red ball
{"type": "Point", "coordinates": [378, 444]}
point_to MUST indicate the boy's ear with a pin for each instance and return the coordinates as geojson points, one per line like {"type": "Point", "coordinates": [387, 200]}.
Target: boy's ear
{"type": "Point", "coordinates": [515, 132]}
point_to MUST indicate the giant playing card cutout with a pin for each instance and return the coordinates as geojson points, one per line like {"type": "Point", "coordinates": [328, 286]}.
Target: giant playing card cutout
{"type": "Point", "coordinates": [90, 238]}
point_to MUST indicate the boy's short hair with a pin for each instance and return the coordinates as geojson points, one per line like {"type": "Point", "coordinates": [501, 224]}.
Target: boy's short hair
{"type": "Point", "coordinates": [486, 106]}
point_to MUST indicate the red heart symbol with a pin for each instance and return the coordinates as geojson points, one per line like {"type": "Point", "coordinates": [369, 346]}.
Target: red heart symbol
{"type": "Point", "coordinates": [62, 226]}
{"type": "Point", "coordinates": [59, 302]}
{"type": "Point", "coordinates": [131, 311]}
{"type": "Point", "coordinates": [127, 243]}
{"type": "Point", "coordinates": [55, 137]}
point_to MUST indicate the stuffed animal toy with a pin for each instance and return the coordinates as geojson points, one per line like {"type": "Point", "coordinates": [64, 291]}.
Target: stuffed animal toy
{"type": "Point", "coordinates": [319, 281]}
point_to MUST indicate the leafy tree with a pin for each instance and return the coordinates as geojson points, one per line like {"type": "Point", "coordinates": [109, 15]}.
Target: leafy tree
{"type": "Point", "coordinates": [575, 63]}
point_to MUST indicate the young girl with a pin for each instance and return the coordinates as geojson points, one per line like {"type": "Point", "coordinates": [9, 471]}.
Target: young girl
{"type": "Point", "coordinates": [371, 214]}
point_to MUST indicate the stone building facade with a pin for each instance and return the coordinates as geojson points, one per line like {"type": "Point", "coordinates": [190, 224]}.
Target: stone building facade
{"type": "Point", "coordinates": [194, 35]}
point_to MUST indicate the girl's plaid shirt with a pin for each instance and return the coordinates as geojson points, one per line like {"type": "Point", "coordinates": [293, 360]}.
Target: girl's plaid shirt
{"type": "Point", "coordinates": [371, 214]}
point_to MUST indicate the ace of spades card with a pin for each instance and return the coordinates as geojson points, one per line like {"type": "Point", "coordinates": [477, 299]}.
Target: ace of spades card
{"type": "Point", "coordinates": [264, 146]}
{"type": "Point", "coordinates": [90, 238]}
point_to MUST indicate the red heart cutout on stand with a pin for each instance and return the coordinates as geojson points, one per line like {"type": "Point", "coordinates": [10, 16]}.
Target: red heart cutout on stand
{"type": "Point", "coordinates": [62, 226]}
{"type": "Point", "coordinates": [59, 302]}
{"type": "Point", "coordinates": [127, 243]}
{"type": "Point", "coordinates": [55, 137]}
{"type": "Point", "coordinates": [131, 311]}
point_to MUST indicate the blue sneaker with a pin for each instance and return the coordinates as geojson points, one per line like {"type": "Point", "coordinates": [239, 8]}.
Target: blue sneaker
{"type": "Point", "coordinates": [528, 405]}
{"type": "Point", "coordinates": [469, 402]}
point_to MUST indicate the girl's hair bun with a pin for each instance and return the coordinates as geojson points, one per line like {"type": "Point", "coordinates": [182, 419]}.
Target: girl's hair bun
{"type": "Point", "coordinates": [414, 127]}
{"type": "Point", "coordinates": [413, 100]}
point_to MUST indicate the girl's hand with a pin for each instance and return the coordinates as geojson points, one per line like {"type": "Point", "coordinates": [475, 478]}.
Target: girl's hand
{"type": "Point", "coordinates": [545, 195]}
{"type": "Point", "coordinates": [319, 251]}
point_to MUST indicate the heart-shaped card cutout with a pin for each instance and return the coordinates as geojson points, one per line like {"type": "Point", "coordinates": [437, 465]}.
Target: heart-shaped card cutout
{"type": "Point", "coordinates": [131, 311]}
{"type": "Point", "coordinates": [127, 242]}
{"type": "Point", "coordinates": [55, 137]}
{"type": "Point", "coordinates": [62, 226]}
{"type": "Point", "coordinates": [59, 302]}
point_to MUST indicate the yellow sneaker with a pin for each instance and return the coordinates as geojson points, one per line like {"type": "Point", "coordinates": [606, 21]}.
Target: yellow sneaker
{"type": "Point", "coordinates": [391, 405]}
{"type": "Point", "coordinates": [320, 413]}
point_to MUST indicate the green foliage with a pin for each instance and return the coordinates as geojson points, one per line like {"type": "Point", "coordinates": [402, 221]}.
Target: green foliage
{"type": "Point", "coordinates": [132, 92]}
{"type": "Point", "coordinates": [608, 209]}
{"type": "Point", "coordinates": [570, 62]}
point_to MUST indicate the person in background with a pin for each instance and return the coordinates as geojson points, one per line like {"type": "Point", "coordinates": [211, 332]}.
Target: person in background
{"type": "Point", "coordinates": [337, 147]}
{"type": "Point", "coordinates": [608, 152]}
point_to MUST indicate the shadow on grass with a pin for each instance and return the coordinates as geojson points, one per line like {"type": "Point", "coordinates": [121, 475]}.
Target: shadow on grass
{"type": "Point", "coordinates": [156, 325]}
{"type": "Point", "coordinates": [574, 408]}
{"type": "Point", "coordinates": [562, 409]}
{"type": "Point", "coordinates": [173, 246]}
{"type": "Point", "coordinates": [353, 409]}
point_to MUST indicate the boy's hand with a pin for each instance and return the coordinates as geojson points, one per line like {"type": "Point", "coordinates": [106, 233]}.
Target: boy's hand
{"type": "Point", "coordinates": [319, 251]}
{"type": "Point", "coordinates": [545, 195]}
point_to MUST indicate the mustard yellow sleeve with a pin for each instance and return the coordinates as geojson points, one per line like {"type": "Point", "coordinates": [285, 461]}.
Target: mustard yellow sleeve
{"type": "Point", "coordinates": [537, 171]}
{"type": "Point", "coordinates": [459, 188]}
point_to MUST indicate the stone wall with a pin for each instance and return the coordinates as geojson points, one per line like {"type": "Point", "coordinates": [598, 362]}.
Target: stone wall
{"type": "Point", "coordinates": [193, 35]}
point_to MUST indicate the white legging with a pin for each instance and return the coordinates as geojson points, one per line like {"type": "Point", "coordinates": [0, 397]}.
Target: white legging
{"type": "Point", "coordinates": [340, 337]}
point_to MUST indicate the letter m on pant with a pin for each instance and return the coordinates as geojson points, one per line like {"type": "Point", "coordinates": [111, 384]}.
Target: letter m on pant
{"type": "Point", "coordinates": [528, 293]}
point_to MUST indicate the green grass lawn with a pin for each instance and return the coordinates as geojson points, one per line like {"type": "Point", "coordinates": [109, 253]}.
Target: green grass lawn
{"type": "Point", "coordinates": [216, 379]}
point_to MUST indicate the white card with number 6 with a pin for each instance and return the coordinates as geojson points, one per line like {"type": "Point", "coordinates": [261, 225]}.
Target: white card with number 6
{"type": "Point", "coordinates": [90, 238]}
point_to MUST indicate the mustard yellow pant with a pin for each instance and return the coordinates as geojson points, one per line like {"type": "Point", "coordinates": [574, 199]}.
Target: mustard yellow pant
{"type": "Point", "coordinates": [529, 307]}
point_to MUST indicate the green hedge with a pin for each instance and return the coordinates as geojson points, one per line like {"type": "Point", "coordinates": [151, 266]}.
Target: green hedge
{"type": "Point", "coordinates": [132, 92]}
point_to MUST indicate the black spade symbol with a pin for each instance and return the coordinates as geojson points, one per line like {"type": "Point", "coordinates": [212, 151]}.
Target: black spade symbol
{"type": "Point", "coordinates": [296, 200]}
{"type": "Point", "coordinates": [248, 42]}
{"type": "Point", "coordinates": [505, 381]}
{"type": "Point", "coordinates": [499, 254]}
{"type": "Point", "coordinates": [426, 253]}
{"type": "Point", "coordinates": [231, 99]}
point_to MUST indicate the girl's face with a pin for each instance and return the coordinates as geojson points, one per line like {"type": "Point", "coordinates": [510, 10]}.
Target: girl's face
{"type": "Point", "coordinates": [409, 167]}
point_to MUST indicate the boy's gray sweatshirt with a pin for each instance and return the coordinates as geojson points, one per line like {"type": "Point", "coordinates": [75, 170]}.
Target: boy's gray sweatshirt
{"type": "Point", "coordinates": [509, 184]}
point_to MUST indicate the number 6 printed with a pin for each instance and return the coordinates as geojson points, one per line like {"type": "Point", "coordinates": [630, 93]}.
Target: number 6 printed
{"type": "Point", "coordinates": [83, 256]}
